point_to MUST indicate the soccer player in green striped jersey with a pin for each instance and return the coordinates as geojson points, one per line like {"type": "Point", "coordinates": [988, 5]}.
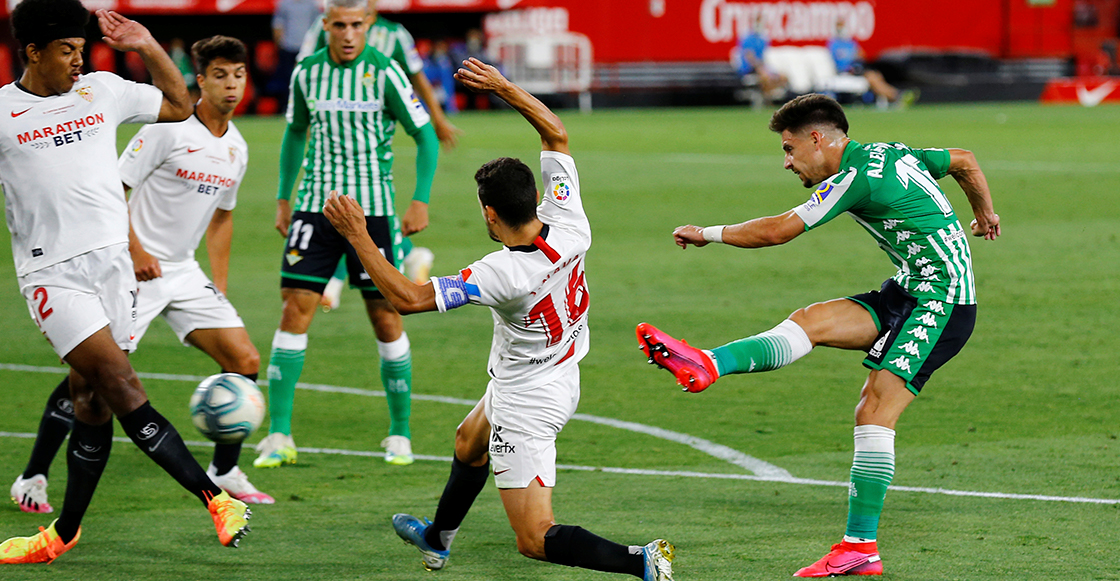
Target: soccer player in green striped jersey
{"type": "Point", "coordinates": [917, 321]}
{"type": "Point", "coordinates": [393, 40]}
{"type": "Point", "coordinates": [346, 101]}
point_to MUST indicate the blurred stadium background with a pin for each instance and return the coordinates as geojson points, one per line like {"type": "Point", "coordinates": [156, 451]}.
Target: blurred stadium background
{"type": "Point", "coordinates": [679, 52]}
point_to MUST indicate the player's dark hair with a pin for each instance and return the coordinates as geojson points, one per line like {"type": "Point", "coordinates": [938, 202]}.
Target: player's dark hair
{"type": "Point", "coordinates": [217, 47]}
{"type": "Point", "coordinates": [39, 22]}
{"type": "Point", "coordinates": [808, 110]}
{"type": "Point", "coordinates": [507, 185]}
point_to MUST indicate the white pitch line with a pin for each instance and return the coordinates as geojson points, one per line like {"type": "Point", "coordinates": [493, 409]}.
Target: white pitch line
{"type": "Point", "coordinates": [719, 451]}
{"type": "Point", "coordinates": [682, 474]}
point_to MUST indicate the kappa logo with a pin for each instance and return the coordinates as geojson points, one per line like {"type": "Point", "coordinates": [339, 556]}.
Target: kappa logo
{"type": "Point", "coordinates": [924, 287]}
{"type": "Point", "coordinates": [911, 348]}
{"type": "Point", "coordinates": [928, 320]}
{"type": "Point", "coordinates": [927, 272]}
{"type": "Point", "coordinates": [913, 248]}
{"type": "Point", "coordinates": [902, 236]}
{"type": "Point", "coordinates": [922, 261]}
{"type": "Point", "coordinates": [919, 333]}
{"type": "Point", "coordinates": [293, 257]}
{"type": "Point", "coordinates": [148, 431]}
{"type": "Point", "coordinates": [935, 306]}
{"type": "Point", "coordinates": [902, 363]}
{"type": "Point", "coordinates": [890, 224]}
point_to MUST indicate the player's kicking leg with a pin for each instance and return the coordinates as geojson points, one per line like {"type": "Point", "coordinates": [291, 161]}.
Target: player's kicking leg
{"type": "Point", "coordinates": [103, 384]}
{"type": "Point", "coordinates": [231, 349]}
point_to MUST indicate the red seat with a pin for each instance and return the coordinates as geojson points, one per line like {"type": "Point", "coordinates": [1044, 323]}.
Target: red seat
{"type": "Point", "coordinates": [265, 57]}
{"type": "Point", "coordinates": [102, 58]}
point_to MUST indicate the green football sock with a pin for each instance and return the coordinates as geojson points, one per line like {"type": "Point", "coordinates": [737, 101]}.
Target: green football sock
{"type": "Point", "coordinates": [396, 377]}
{"type": "Point", "coordinates": [340, 270]}
{"type": "Point", "coordinates": [775, 348]}
{"type": "Point", "coordinates": [872, 472]}
{"type": "Point", "coordinates": [284, 368]}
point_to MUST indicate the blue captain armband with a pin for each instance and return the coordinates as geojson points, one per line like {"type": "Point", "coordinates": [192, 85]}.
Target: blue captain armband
{"type": "Point", "coordinates": [451, 292]}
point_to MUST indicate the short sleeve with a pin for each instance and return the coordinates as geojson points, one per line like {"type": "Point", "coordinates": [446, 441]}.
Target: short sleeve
{"type": "Point", "coordinates": [402, 102]}
{"type": "Point", "coordinates": [936, 161]}
{"type": "Point", "coordinates": [836, 195]}
{"type": "Point", "coordinates": [410, 59]}
{"type": "Point", "coordinates": [149, 148]}
{"type": "Point", "coordinates": [136, 102]}
{"type": "Point", "coordinates": [297, 113]}
{"type": "Point", "coordinates": [561, 202]}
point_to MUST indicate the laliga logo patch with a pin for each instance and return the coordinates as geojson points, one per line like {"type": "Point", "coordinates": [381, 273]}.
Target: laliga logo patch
{"type": "Point", "coordinates": [822, 192]}
{"type": "Point", "coordinates": [138, 146]}
{"type": "Point", "coordinates": [561, 191]}
{"type": "Point", "coordinates": [86, 93]}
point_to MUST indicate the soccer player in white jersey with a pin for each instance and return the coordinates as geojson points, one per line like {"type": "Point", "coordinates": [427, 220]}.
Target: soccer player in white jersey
{"type": "Point", "coordinates": [69, 225]}
{"type": "Point", "coordinates": [537, 292]}
{"type": "Point", "coordinates": [184, 178]}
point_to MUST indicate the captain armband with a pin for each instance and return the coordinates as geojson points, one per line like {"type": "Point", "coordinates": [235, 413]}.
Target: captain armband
{"type": "Point", "coordinates": [451, 292]}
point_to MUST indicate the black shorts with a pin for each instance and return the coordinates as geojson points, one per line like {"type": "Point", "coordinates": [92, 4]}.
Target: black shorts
{"type": "Point", "coordinates": [314, 248]}
{"type": "Point", "coordinates": [916, 336]}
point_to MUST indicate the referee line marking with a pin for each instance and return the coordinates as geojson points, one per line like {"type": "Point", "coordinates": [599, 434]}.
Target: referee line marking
{"type": "Point", "coordinates": [730, 455]}
{"type": "Point", "coordinates": [681, 474]}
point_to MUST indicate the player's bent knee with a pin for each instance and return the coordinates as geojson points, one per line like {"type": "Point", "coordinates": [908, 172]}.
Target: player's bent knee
{"type": "Point", "coordinates": [531, 546]}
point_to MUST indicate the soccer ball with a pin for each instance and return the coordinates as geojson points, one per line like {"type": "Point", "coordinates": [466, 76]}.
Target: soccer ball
{"type": "Point", "coordinates": [227, 407]}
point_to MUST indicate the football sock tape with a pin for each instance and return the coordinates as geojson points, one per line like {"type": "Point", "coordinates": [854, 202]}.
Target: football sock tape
{"type": "Point", "coordinates": [872, 472]}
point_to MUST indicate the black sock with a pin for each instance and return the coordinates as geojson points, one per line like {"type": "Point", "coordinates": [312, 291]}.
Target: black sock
{"type": "Point", "coordinates": [226, 455]}
{"type": "Point", "coordinates": [57, 419]}
{"type": "Point", "coordinates": [86, 457]}
{"type": "Point", "coordinates": [462, 488]}
{"type": "Point", "coordinates": [161, 442]}
{"type": "Point", "coordinates": [575, 547]}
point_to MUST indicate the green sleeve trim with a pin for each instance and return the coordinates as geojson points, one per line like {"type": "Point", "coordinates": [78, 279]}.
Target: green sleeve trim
{"type": "Point", "coordinates": [291, 156]}
{"type": "Point", "coordinates": [427, 156]}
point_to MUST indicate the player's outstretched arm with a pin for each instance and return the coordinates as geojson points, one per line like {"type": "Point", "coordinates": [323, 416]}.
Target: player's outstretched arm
{"type": "Point", "coordinates": [483, 78]}
{"type": "Point", "coordinates": [406, 296]}
{"type": "Point", "coordinates": [219, 239]}
{"type": "Point", "coordinates": [757, 233]}
{"type": "Point", "coordinates": [128, 35]}
{"type": "Point", "coordinates": [965, 169]}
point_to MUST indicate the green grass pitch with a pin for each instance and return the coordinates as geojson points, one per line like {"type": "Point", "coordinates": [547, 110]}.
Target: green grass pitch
{"type": "Point", "coordinates": [1028, 408]}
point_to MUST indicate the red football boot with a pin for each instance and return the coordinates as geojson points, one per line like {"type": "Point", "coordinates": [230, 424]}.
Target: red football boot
{"type": "Point", "coordinates": [844, 559]}
{"type": "Point", "coordinates": [694, 370]}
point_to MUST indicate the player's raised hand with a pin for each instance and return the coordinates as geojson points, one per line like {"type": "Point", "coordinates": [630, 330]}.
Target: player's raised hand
{"type": "Point", "coordinates": [989, 229]}
{"type": "Point", "coordinates": [689, 234]}
{"type": "Point", "coordinates": [479, 76]}
{"type": "Point", "coordinates": [122, 33]}
{"type": "Point", "coordinates": [345, 215]}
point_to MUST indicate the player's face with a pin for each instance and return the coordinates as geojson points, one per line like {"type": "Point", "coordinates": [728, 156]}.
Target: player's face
{"type": "Point", "coordinates": [346, 32]}
{"type": "Point", "coordinates": [804, 156]}
{"type": "Point", "coordinates": [223, 85]}
{"type": "Point", "coordinates": [489, 224]}
{"type": "Point", "coordinates": [59, 64]}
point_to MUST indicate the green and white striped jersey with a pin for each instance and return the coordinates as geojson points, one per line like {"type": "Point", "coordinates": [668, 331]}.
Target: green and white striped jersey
{"type": "Point", "coordinates": [351, 111]}
{"type": "Point", "coordinates": [891, 190]}
{"type": "Point", "coordinates": [388, 37]}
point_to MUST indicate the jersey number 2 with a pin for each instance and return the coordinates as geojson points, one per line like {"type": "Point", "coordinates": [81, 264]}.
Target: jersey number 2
{"type": "Point", "coordinates": [40, 294]}
{"type": "Point", "coordinates": [576, 302]}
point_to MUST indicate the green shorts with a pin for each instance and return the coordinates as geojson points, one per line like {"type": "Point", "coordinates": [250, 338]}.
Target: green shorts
{"type": "Point", "coordinates": [916, 336]}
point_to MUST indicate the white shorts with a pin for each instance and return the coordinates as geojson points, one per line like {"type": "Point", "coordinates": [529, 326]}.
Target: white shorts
{"type": "Point", "coordinates": [186, 299]}
{"type": "Point", "coordinates": [72, 300]}
{"type": "Point", "coordinates": [523, 428]}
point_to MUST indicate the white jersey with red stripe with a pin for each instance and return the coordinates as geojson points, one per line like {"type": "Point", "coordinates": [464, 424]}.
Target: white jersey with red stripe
{"type": "Point", "coordinates": [537, 293]}
{"type": "Point", "coordinates": [58, 155]}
